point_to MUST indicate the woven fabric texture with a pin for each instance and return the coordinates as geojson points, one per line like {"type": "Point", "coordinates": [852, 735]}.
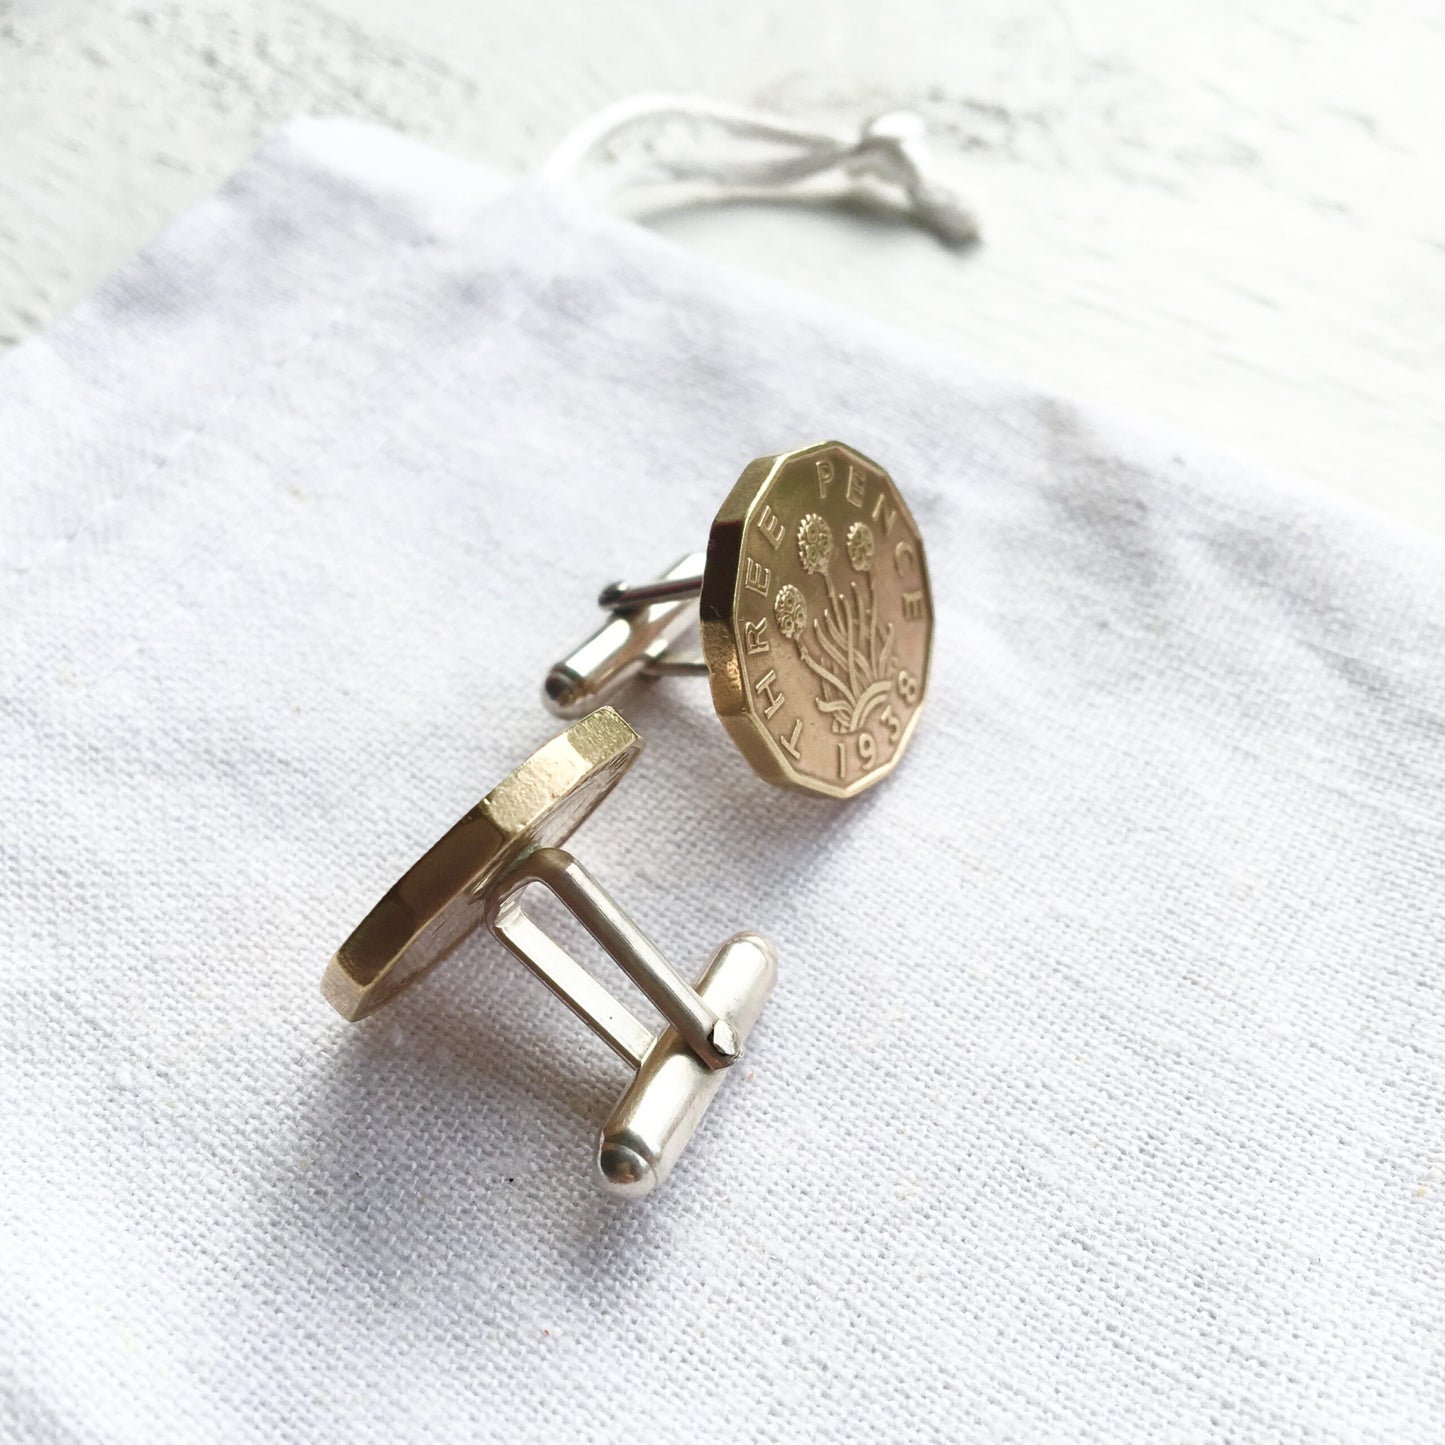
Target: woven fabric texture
{"type": "Point", "coordinates": [1100, 1097]}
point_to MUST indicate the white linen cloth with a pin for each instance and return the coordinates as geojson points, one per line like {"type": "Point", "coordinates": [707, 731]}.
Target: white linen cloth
{"type": "Point", "coordinates": [1100, 1097]}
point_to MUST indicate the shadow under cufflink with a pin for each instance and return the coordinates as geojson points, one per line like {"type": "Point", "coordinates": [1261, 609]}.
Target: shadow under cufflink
{"type": "Point", "coordinates": [458, 1114]}
{"type": "Point", "coordinates": [461, 1113]}
{"type": "Point", "coordinates": [501, 853]}
{"type": "Point", "coordinates": [460, 1103]}
{"type": "Point", "coordinates": [459, 1109]}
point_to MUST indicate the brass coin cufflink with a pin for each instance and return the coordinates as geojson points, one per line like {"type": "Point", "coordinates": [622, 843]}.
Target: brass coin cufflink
{"type": "Point", "coordinates": [816, 622]}
{"type": "Point", "coordinates": [477, 872]}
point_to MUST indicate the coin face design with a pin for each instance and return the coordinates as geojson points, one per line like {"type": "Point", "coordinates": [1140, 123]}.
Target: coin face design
{"type": "Point", "coordinates": [817, 619]}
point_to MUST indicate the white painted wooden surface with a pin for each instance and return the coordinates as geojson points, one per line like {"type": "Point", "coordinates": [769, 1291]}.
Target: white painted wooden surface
{"type": "Point", "coordinates": [1229, 217]}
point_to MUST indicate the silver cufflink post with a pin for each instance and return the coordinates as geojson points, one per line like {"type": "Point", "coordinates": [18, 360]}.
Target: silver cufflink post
{"type": "Point", "coordinates": [478, 873]}
{"type": "Point", "coordinates": [815, 617]}
{"type": "Point", "coordinates": [636, 640]}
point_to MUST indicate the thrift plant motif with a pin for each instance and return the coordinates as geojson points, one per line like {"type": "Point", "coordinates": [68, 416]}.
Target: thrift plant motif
{"type": "Point", "coordinates": [852, 649]}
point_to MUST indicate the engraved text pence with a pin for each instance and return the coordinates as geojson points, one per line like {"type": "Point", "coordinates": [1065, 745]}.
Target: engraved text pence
{"type": "Point", "coordinates": [834, 618]}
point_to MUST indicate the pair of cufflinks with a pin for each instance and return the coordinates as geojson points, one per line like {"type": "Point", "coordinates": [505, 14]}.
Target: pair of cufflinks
{"type": "Point", "coordinates": [813, 605]}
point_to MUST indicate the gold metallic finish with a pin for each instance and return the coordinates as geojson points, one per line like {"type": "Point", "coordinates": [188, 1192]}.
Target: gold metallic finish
{"type": "Point", "coordinates": [817, 619]}
{"type": "Point", "coordinates": [442, 897]}
{"type": "Point", "coordinates": [480, 872]}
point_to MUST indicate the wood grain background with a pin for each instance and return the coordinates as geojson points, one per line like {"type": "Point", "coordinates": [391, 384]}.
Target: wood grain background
{"type": "Point", "coordinates": [1227, 217]}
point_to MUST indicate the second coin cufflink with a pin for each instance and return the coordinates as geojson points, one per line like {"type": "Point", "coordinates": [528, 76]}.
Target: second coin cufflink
{"type": "Point", "coordinates": [816, 623]}
{"type": "Point", "coordinates": [478, 871]}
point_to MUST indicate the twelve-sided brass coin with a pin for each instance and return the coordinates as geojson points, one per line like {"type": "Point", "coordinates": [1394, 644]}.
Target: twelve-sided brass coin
{"type": "Point", "coordinates": [817, 619]}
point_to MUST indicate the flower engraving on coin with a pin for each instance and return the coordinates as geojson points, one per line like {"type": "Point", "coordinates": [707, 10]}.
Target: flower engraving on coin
{"type": "Point", "coordinates": [860, 546]}
{"type": "Point", "coordinates": [819, 627]}
{"type": "Point", "coordinates": [815, 543]}
{"type": "Point", "coordinates": [852, 648]}
{"type": "Point", "coordinates": [853, 661]}
{"type": "Point", "coordinates": [790, 610]}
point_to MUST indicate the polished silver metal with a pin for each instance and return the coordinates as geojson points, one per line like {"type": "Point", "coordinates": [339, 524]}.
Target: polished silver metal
{"type": "Point", "coordinates": [676, 667]}
{"type": "Point", "coordinates": [656, 1117]}
{"type": "Point", "coordinates": [678, 1070]}
{"type": "Point", "coordinates": [708, 1035]}
{"type": "Point", "coordinates": [619, 597]}
{"type": "Point", "coordinates": [478, 873]}
{"type": "Point", "coordinates": [612, 1021]}
{"type": "Point", "coordinates": [634, 641]}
